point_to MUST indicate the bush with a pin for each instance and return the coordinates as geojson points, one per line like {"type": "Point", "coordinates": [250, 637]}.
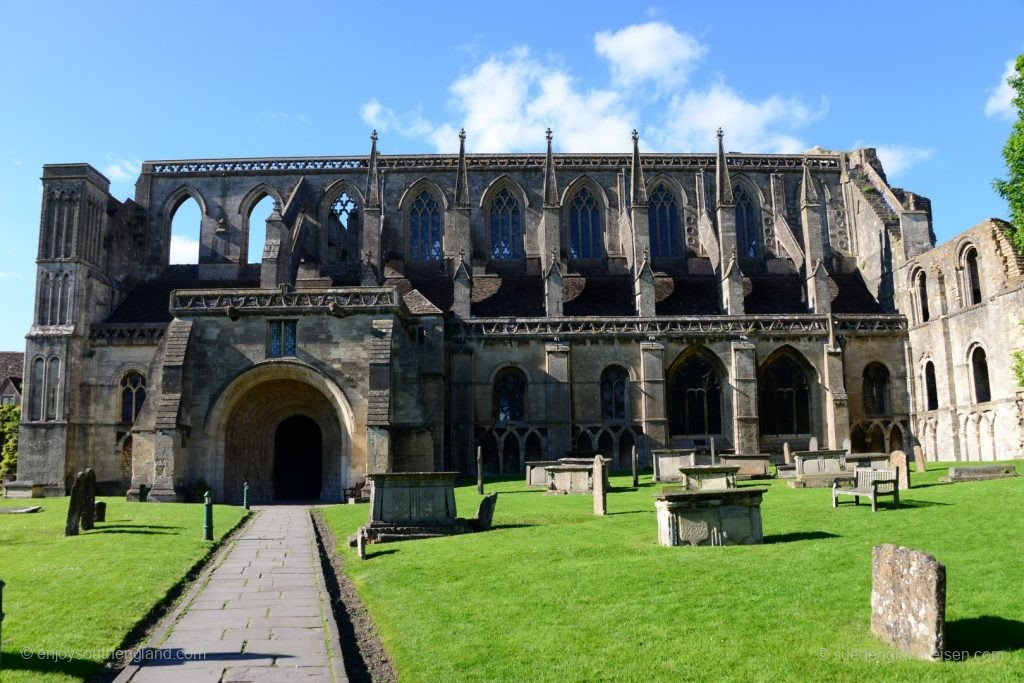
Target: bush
{"type": "Point", "coordinates": [10, 417]}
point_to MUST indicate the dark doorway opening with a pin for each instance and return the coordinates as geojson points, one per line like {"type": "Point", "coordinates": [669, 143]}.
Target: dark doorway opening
{"type": "Point", "coordinates": [298, 447]}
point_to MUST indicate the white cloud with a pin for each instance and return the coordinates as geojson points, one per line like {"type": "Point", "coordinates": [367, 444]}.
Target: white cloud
{"type": "Point", "coordinates": [11, 276]}
{"type": "Point", "coordinates": [690, 121]}
{"type": "Point", "coordinates": [653, 51]}
{"type": "Point", "coordinates": [1000, 100]}
{"type": "Point", "coordinates": [386, 120]}
{"type": "Point", "coordinates": [506, 102]}
{"type": "Point", "coordinates": [121, 170]}
{"type": "Point", "coordinates": [184, 249]}
{"type": "Point", "coordinates": [897, 159]}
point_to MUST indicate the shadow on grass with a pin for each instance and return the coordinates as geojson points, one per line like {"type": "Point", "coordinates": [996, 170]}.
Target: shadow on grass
{"type": "Point", "coordinates": [495, 527]}
{"type": "Point", "coordinates": [799, 536]}
{"type": "Point", "coordinates": [105, 525]}
{"type": "Point", "coordinates": [905, 503]}
{"type": "Point", "coordinates": [928, 486]}
{"type": "Point", "coordinates": [380, 553]}
{"type": "Point", "coordinates": [80, 669]}
{"type": "Point", "coordinates": [984, 634]}
{"type": "Point", "coordinates": [630, 512]}
{"type": "Point", "coordinates": [143, 532]}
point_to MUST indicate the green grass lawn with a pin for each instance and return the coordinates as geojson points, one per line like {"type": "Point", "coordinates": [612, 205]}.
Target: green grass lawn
{"type": "Point", "coordinates": [555, 593]}
{"type": "Point", "coordinates": [87, 592]}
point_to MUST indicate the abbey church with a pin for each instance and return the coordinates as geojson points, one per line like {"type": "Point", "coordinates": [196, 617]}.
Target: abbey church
{"type": "Point", "coordinates": [410, 309]}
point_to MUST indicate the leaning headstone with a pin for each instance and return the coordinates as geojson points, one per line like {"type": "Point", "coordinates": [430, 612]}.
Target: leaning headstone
{"type": "Point", "coordinates": [479, 471]}
{"type": "Point", "coordinates": [898, 459]}
{"type": "Point", "coordinates": [908, 600]}
{"type": "Point", "coordinates": [74, 519]}
{"type": "Point", "coordinates": [361, 546]}
{"type": "Point", "coordinates": [633, 459]}
{"type": "Point", "coordinates": [101, 511]}
{"type": "Point", "coordinates": [485, 513]}
{"type": "Point", "coordinates": [600, 496]}
{"type": "Point", "coordinates": [919, 459]}
{"type": "Point", "coordinates": [787, 454]}
{"type": "Point", "coordinates": [89, 500]}
{"type": "Point", "coordinates": [813, 445]}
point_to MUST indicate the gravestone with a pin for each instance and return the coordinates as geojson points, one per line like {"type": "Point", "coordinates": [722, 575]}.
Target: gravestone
{"type": "Point", "coordinates": [361, 546]}
{"type": "Point", "coordinates": [919, 459]}
{"type": "Point", "coordinates": [89, 500]}
{"type": "Point", "coordinates": [74, 519]}
{"type": "Point", "coordinates": [600, 496]}
{"type": "Point", "coordinates": [485, 513]}
{"type": "Point", "coordinates": [846, 446]}
{"type": "Point", "coordinates": [908, 600]}
{"type": "Point", "coordinates": [787, 454]}
{"type": "Point", "coordinates": [101, 511]}
{"type": "Point", "coordinates": [813, 445]}
{"type": "Point", "coordinates": [898, 459]}
{"type": "Point", "coordinates": [633, 460]}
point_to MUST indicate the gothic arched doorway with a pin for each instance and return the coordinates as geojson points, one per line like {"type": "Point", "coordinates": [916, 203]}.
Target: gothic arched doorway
{"type": "Point", "coordinates": [298, 449]}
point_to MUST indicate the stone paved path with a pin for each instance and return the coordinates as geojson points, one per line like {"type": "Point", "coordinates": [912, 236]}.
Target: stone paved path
{"type": "Point", "coordinates": [262, 615]}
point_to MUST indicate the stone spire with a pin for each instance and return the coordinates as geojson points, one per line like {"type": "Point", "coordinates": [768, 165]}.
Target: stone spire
{"type": "Point", "coordinates": [372, 180]}
{"type": "Point", "coordinates": [462, 179]}
{"type": "Point", "coordinates": [638, 187]}
{"type": "Point", "coordinates": [723, 184]}
{"type": "Point", "coordinates": [808, 195]}
{"type": "Point", "coordinates": [550, 187]}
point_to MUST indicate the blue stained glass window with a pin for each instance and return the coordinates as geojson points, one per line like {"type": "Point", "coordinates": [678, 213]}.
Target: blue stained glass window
{"type": "Point", "coordinates": [425, 229]}
{"type": "Point", "coordinates": [506, 227]}
{"type": "Point", "coordinates": [663, 222]}
{"type": "Point", "coordinates": [585, 227]}
{"type": "Point", "coordinates": [282, 338]}
{"type": "Point", "coordinates": [613, 393]}
{"type": "Point", "coordinates": [510, 397]}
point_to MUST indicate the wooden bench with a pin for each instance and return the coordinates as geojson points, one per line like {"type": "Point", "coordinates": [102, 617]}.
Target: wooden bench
{"type": "Point", "coordinates": [870, 484]}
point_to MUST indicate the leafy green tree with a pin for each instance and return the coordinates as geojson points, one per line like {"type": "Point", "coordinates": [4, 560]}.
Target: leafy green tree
{"type": "Point", "coordinates": [10, 416]}
{"type": "Point", "coordinates": [1012, 188]}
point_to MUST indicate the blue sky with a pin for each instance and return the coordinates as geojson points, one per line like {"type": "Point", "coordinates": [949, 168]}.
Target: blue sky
{"type": "Point", "coordinates": [115, 83]}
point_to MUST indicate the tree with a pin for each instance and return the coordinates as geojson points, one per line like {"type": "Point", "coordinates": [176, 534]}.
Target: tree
{"type": "Point", "coordinates": [10, 416]}
{"type": "Point", "coordinates": [1012, 188]}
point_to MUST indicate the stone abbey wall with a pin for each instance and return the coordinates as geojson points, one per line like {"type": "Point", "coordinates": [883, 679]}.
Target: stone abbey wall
{"type": "Point", "coordinates": [406, 363]}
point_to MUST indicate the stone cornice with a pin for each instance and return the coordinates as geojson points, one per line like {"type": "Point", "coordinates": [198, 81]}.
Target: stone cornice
{"type": "Point", "coordinates": [236, 302]}
{"type": "Point", "coordinates": [615, 162]}
{"type": "Point", "coordinates": [127, 333]}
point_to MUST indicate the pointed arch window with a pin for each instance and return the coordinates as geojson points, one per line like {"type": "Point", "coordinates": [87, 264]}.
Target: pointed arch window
{"type": "Point", "coordinates": [972, 277]}
{"type": "Point", "coordinates": [506, 223]}
{"type": "Point", "coordinates": [36, 390]}
{"type": "Point", "coordinates": [425, 228]}
{"type": "Point", "coordinates": [585, 227]}
{"type": "Point", "coordinates": [785, 398]}
{"type": "Point", "coordinates": [930, 388]}
{"type": "Point", "coordinates": [343, 227]}
{"type": "Point", "coordinates": [509, 397]}
{"type": "Point", "coordinates": [133, 395]}
{"type": "Point", "coordinates": [696, 399]}
{"type": "Point", "coordinates": [747, 229]}
{"type": "Point", "coordinates": [922, 297]}
{"type": "Point", "coordinates": [52, 387]}
{"type": "Point", "coordinates": [663, 223]}
{"type": "Point", "coordinates": [979, 370]}
{"type": "Point", "coordinates": [613, 393]}
{"type": "Point", "coordinates": [877, 399]}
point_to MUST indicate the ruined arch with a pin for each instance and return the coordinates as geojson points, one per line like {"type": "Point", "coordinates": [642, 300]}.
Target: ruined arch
{"type": "Point", "coordinates": [246, 208]}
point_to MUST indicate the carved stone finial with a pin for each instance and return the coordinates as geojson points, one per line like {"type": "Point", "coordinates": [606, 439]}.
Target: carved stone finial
{"type": "Point", "coordinates": [369, 256]}
{"type": "Point", "coordinates": [373, 135]}
{"type": "Point", "coordinates": [462, 135]}
{"type": "Point", "coordinates": [636, 136]}
{"type": "Point", "coordinates": [646, 252]}
{"type": "Point", "coordinates": [719, 134]}
{"type": "Point", "coordinates": [733, 254]}
{"type": "Point", "coordinates": [462, 255]}
{"type": "Point", "coordinates": [548, 134]}
{"type": "Point", "coordinates": [554, 253]}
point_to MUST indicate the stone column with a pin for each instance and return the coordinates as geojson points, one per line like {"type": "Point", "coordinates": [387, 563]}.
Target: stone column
{"type": "Point", "coordinates": [652, 392]}
{"type": "Point", "coordinates": [837, 415]}
{"type": "Point", "coordinates": [463, 440]}
{"type": "Point", "coordinates": [746, 438]}
{"type": "Point", "coordinates": [558, 400]}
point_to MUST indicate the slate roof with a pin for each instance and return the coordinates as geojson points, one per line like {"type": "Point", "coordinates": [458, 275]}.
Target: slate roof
{"type": "Point", "coordinates": [853, 295]}
{"type": "Point", "coordinates": [495, 297]}
{"type": "Point", "coordinates": [598, 295]}
{"type": "Point", "coordinates": [148, 302]}
{"type": "Point", "coordinates": [688, 295]}
{"type": "Point", "coordinates": [775, 294]}
{"type": "Point", "coordinates": [11, 365]}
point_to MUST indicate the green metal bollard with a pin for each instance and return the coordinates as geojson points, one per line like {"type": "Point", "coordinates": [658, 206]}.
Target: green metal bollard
{"type": "Point", "coordinates": [143, 493]}
{"type": "Point", "coordinates": [245, 495]}
{"type": "Point", "coordinates": [207, 517]}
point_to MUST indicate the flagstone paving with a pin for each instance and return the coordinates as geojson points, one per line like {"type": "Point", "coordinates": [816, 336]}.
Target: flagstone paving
{"type": "Point", "coordinates": [263, 613]}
